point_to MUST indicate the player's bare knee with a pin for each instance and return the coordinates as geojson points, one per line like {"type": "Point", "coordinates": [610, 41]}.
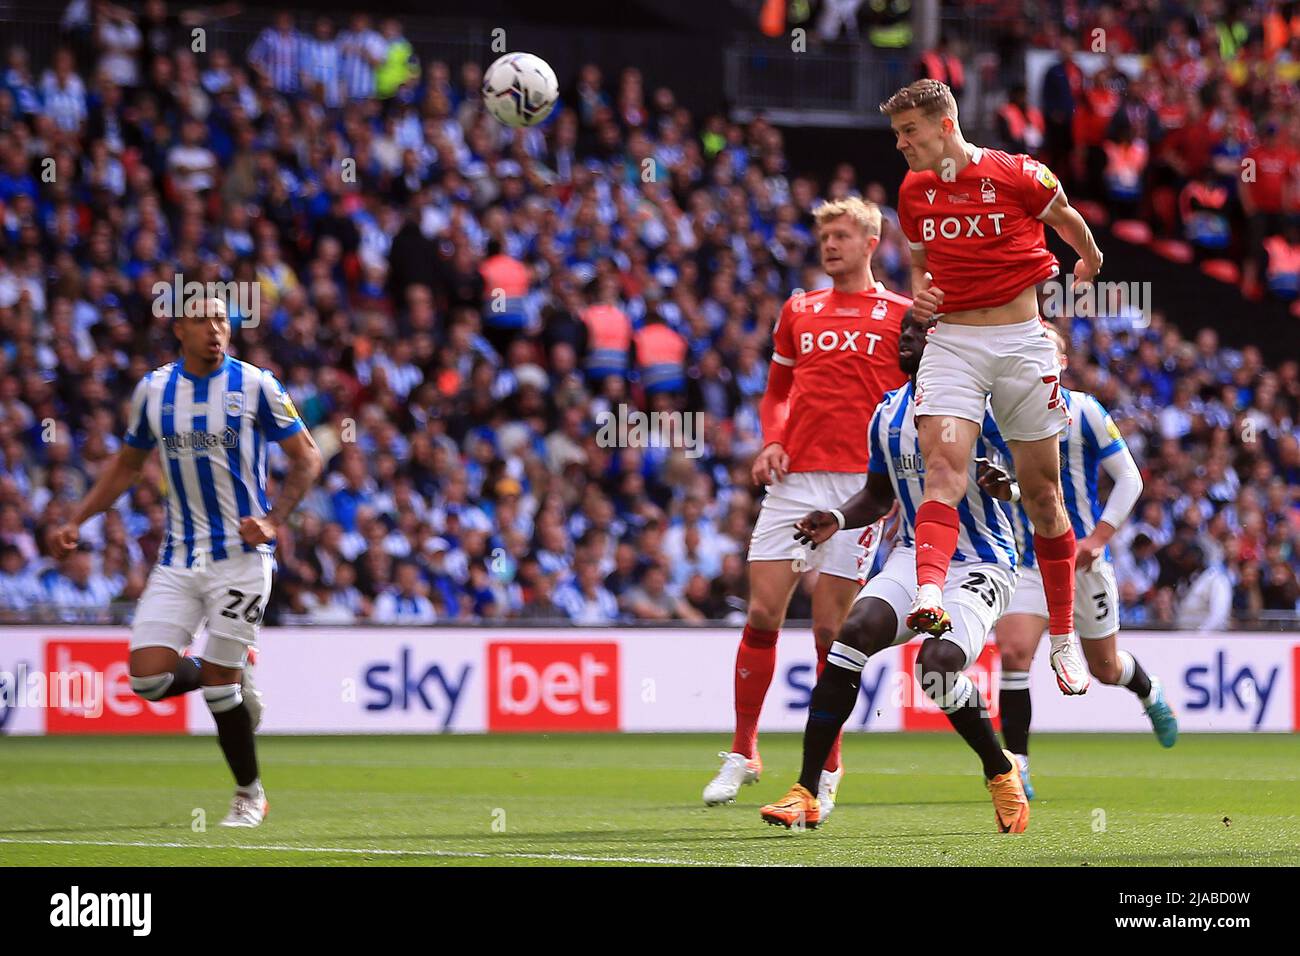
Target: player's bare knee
{"type": "Point", "coordinates": [1105, 669]}
{"type": "Point", "coordinates": [943, 481]}
{"type": "Point", "coordinates": [870, 626]}
{"type": "Point", "coordinates": [939, 657]}
{"type": "Point", "coordinates": [1015, 661]}
{"type": "Point", "coordinates": [214, 674]}
{"type": "Point", "coordinates": [1015, 656]}
{"type": "Point", "coordinates": [764, 618]}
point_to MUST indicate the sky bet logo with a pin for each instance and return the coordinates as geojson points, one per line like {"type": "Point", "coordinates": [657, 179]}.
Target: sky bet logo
{"type": "Point", "coordinates": [801, 678]}
{"type": "Point", "coordinates": [405, 685]}
{"type": "Point", "coordinates": [1219, 686]}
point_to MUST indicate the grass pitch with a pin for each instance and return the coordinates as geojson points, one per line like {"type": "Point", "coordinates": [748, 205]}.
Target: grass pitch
{"type": "Point", "coordinates": [1103, 800]}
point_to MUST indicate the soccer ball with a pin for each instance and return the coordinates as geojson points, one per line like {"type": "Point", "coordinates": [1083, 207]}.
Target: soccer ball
{"type": "Point", "coordinates": [520, 89]}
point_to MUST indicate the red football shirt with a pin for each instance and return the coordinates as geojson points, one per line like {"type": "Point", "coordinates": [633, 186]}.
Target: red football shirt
{"type": "Point", "coordinates": [843, 348]}
{"type": "Point", "coordinates": [1274, 166]}
{"type": "Point", "coordinates": [982, 232]}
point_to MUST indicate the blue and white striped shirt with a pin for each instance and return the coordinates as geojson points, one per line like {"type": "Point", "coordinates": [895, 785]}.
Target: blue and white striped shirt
{"type": "Point", "coordinates": [359, 54]}
{"type": "Point", "coordinates": [213, 432]}
{"type": "Point", "coordinates": [320, 61]}
{"type": "Point", "coordinates": [985, 532]}
{"type": "Point", "coordinates": [1091, 438]}
{"type": "Point", "coordinates": [66, 105]}
{"type": "Point", "coordinates": [280, 56]}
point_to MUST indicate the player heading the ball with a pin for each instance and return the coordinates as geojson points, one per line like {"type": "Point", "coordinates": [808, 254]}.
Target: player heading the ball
{"type": "Point", "coordinates": [974, 220]}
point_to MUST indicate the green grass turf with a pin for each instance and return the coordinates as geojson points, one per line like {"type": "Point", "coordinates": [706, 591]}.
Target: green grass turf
{"type": "Point", "coordinates": [584, 800]}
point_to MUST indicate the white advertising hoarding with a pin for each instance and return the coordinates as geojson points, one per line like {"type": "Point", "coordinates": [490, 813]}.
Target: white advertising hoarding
{"type": "Point", "coordinates": [490, 679]}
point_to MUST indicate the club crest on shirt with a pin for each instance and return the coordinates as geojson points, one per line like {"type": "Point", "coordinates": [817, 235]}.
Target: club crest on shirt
{"type": "Point", "coordinates": [987, 192]}
{"type": "Point", "coordinates": [881, 309]}
{"type": "Point", "coordinates": [234, 403]}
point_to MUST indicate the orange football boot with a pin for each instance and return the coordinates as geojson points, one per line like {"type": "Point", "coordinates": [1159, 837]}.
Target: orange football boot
{"type": "Point", "coordinates": [798, 809]}
{"type": "Point", "coordinates": [1010, 805]}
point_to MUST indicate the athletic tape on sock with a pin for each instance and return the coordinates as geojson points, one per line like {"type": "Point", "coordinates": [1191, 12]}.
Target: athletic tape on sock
{"type": "Point", "coordinates": [1014, 680]}
{"type": "Point", "coordinates": [223, 697]}
{"type": "Point", "coordinates": [152, 687]}
{"type": "Point", "coordinates": [1127, 667]}
{"type": "Point", "coordinates": [959, 692]}
{"type": "Point", "coordinates": [843, 655]}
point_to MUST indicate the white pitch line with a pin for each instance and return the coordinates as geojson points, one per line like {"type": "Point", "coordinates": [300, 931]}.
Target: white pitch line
{"type": "Point", "coordinates": [360, 851]}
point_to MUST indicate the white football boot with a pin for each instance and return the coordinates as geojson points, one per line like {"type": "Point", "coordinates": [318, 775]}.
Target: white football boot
{"type": "Point", "coordinates": [246, 811]}
{"type": "Point", "coordinates": [737, 771]}
{"type": "Point", "coordinates": [1067, 661]}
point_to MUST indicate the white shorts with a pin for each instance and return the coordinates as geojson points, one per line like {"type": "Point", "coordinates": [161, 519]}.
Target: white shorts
{"type": "Point", "coordinates": [231, 595]}
{"type": "Point", "coordinates": [1096, 599]}
{"type": "Point", "coordinates": [1013, 366]}
{"type": "Point", "coordinates": [975, 596]}
{"type": "Point", "coordinates": [847, 554]}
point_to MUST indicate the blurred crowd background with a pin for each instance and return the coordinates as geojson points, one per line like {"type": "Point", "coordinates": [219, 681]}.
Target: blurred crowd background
{"type": "Point", "coordinates": [454, 306]}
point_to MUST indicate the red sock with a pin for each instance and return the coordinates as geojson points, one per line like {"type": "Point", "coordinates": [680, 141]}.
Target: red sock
{"type": "Point", "coordinates": [755, 662]}
{"type": "Point", "coordinates": [1055, 558]}
{"type": "Point", "coordinates": [936, 540]}
{"type": "Point", "coordinates": [832, 759]}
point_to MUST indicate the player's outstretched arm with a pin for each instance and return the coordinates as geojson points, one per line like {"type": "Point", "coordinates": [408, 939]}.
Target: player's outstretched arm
{"type": "Point", "coordinates": [866, 507]}
{"type": "Point", "coordinates": [305, 466]}
{"type": "Point", "coordinates": [1069, 225]}
{"type": "Point", "coordinates": [120, 475]}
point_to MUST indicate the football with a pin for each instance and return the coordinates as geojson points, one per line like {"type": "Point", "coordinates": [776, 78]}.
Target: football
{"type": "Point", "coordinates": [520, 89]}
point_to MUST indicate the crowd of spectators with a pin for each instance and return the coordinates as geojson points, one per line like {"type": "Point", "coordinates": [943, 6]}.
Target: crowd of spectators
{"type": "Point", "coordinates": [454, 308]}
{"type": "Point", "coordinates": [1184, 116]}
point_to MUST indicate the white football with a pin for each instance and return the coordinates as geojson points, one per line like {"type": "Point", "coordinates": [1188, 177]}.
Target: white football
{"type": "Point", "coordinates": [520, 89]}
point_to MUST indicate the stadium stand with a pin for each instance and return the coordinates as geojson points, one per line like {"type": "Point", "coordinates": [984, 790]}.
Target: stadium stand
{"type": "Point", "coordinates": [456, 309]}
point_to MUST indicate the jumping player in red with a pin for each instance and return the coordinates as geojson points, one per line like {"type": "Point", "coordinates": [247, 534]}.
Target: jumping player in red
{"type": "Point", "coordinates": [835, 353]}
{"type": "Point", "coordinates": [974, 218]}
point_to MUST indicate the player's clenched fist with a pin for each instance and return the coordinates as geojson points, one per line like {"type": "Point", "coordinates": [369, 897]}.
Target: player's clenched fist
{"type": "Point", "coordinates": [1085, 270]}
{"type": "Point", "coordinates": [771, 464]}
{"type": "Point", "coordinates": [815, 527]}
{"type": "Point", "coordinates": [256, 530]}
{"type": "Point", "coordinates": [926, 302]}
{"type": "Point", "coordinates": [64, 540]}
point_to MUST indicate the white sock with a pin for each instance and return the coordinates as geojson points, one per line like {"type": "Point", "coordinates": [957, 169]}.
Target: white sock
{"type": "Point", "coordinates": [846, 656]}
{"type": "Point", "coordinates": [1023, 760]}
{"type": "Point", "coordinates": [253, 791]}
{"type": "Point", "coordinates": [1152, 697]}
{"type": "Point", "coordinates": [1127, 668]}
